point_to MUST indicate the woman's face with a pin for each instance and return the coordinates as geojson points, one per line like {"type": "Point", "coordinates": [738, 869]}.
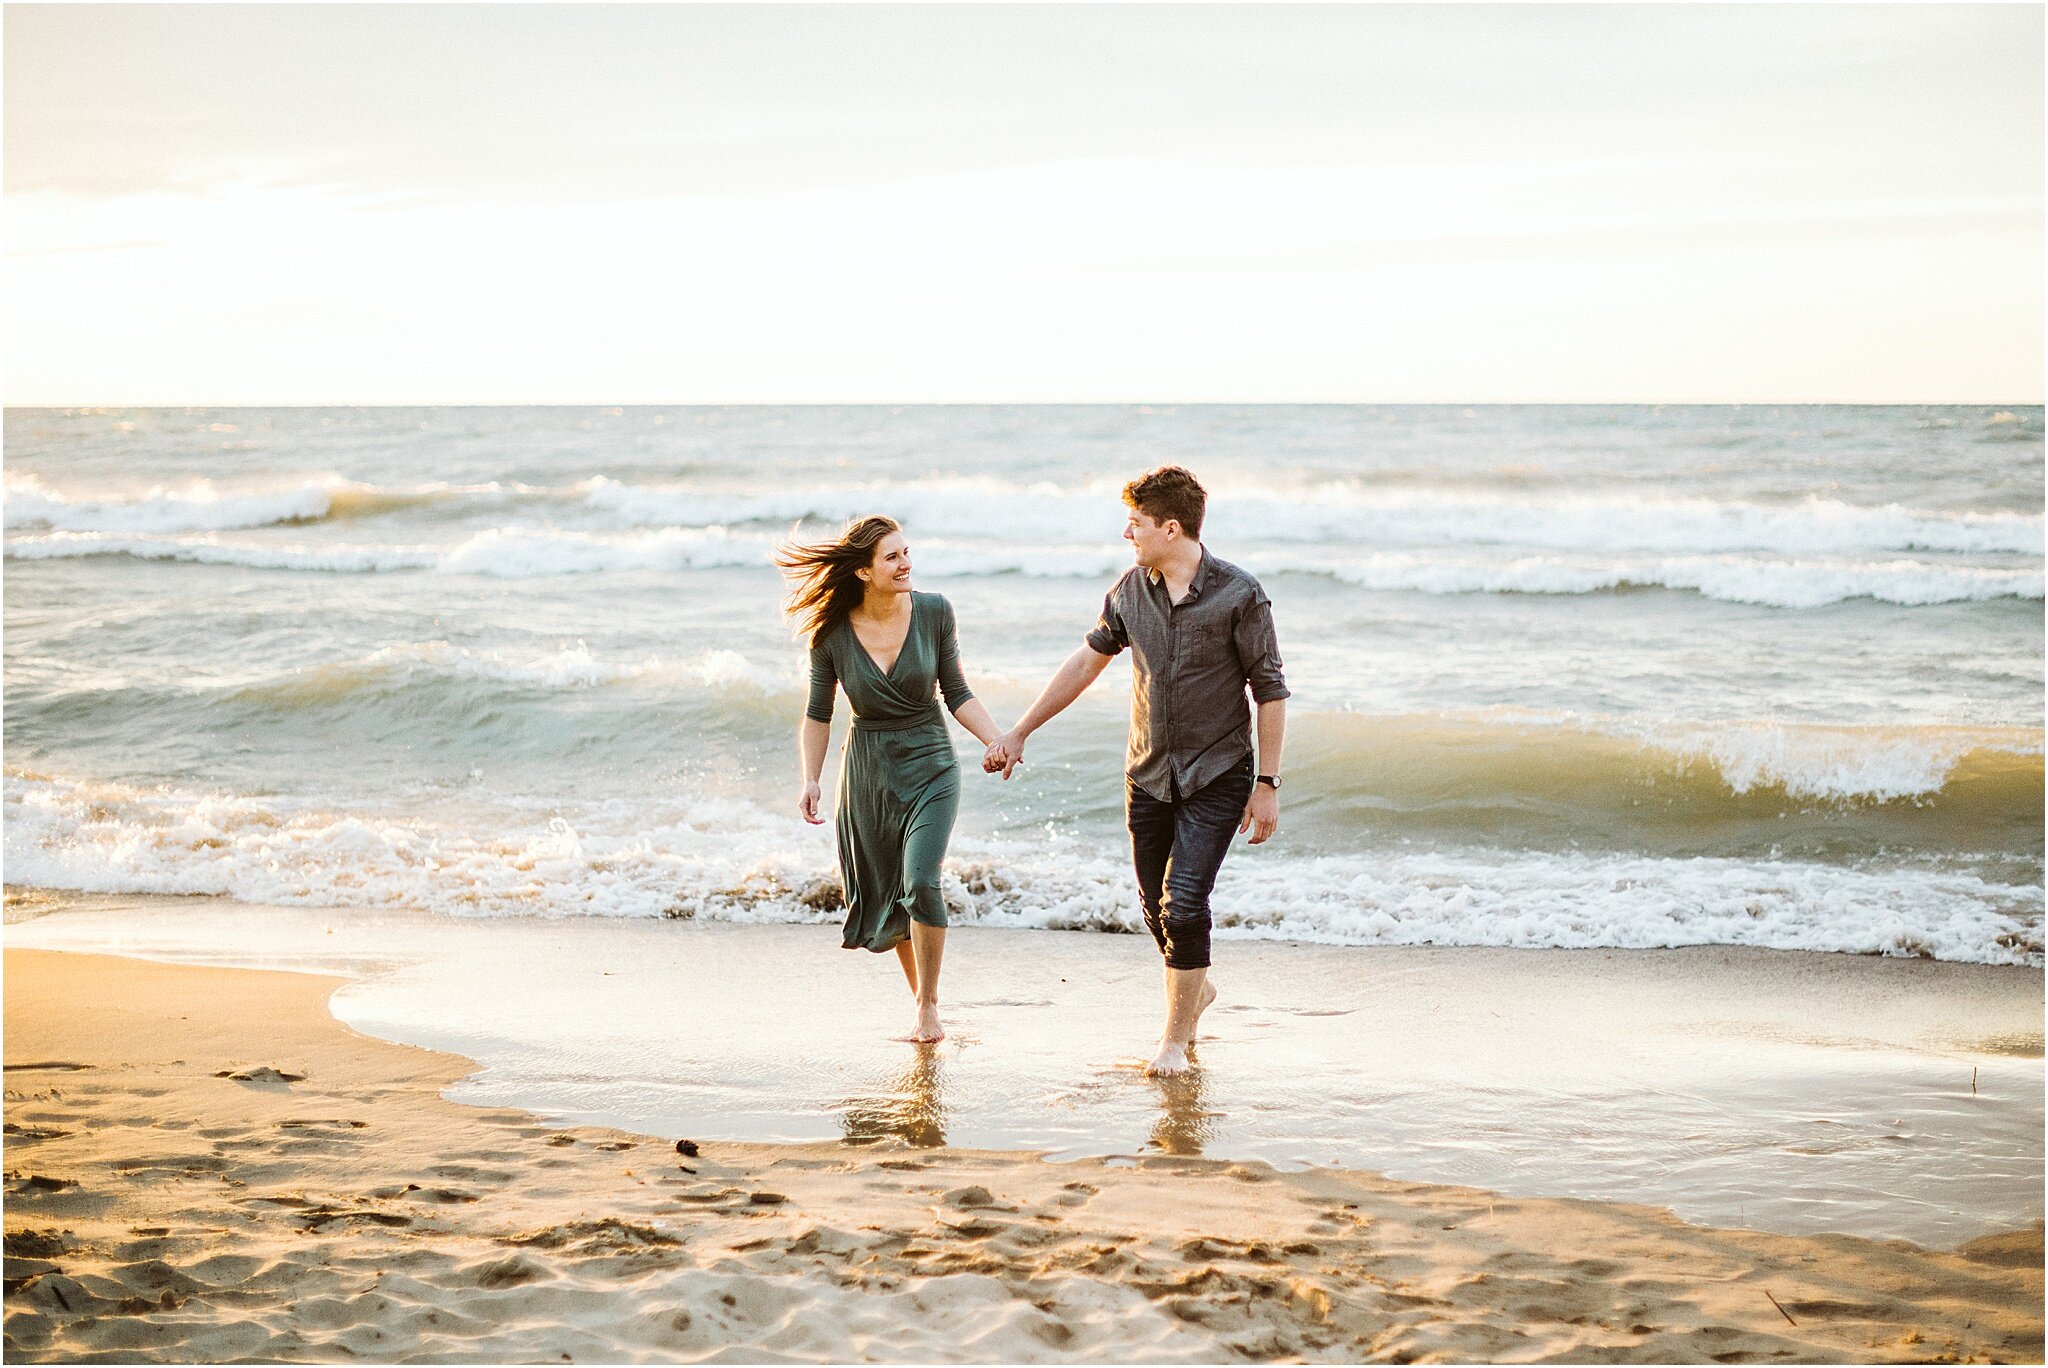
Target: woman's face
{"type": "Point", "coordinates": [889, 571]}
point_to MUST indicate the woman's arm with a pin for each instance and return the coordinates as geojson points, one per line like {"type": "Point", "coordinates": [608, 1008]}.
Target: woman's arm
{"type": "Point", "coordinates": [812, 736]}
{"type": "Point", "coordinates": [960, 700]}
{"type": "Point", "coordinates": [814, 733]}
{"type": "Point", "coordinates": [973, 715]}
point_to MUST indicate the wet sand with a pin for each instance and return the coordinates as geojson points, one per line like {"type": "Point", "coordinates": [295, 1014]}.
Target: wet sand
{"type": "Point", "coordinates": [1793, 1092]}
{"type": "Point", "coordinates": [204, 1165]}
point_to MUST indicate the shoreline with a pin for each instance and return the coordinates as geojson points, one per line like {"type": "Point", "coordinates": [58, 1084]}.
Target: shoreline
{"type": "Point", "coordinates": [340, 1205]}
{"type": "Point", "coordinates": [1781, 1091]}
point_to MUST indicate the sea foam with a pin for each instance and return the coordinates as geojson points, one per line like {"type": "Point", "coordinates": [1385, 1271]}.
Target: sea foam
{"type": "Point", "coordinates": [731, 861]}
{"type": "Point", "coordinates": [521, 554]}
{"type": "Point", "coordinates": [1359, 514]}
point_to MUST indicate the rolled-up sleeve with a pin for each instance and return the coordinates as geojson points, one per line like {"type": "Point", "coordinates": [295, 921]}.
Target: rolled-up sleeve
{"type": "Point", "coordinates": [824, 680]}
{"type": "Point", "coordinates": [1258, 649]}
{"type": "Point", "coordinates": [952, 683]}
{"type": "Point", "coordinates": [1109, 636]}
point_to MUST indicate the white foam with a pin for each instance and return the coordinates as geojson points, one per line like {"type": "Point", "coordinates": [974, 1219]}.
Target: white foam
{"type": "Point", "coordinates": [514, 554]}
{"type": "Point", "coordinates": [203, 506]}
{"type": "Point", "coordinates": [1343, 513]}
{"type": "Point", "coordinates": [198, 507]}
{"type": "Point", "coordinates": [496, 553]}
{"type": "Point", "coordinates": [1863, 764]}
{"type": "Point", "coordinates": [1356, 514]}
{"type": "Point", "coordinates": [517, 554]}
{"type": "Point", "coordinates": [728, 860]}
{"type": "Point", "coordinates": [1576, 522]}
{"type": "Point", "coordinates": [1875, 764]}
{"type": "Point", "coordinates": [207, 549]}
{"type": "Point", "coordinates": [568, 667]}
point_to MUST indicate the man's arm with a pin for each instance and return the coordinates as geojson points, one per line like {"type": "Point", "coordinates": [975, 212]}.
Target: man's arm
{"type": "Point", "coordinates": [1081, 669]}
{"type": "Point", "coordinates": [1262, 812]}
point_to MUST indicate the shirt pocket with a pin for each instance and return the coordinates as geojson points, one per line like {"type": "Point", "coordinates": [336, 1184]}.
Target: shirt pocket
{"type": "Point", "coordinates": [1209, 645]}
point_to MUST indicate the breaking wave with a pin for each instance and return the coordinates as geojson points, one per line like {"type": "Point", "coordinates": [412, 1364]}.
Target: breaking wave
{"type": "Point", "coordinates": [731, 862]}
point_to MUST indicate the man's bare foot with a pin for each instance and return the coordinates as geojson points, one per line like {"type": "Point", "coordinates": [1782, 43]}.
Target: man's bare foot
{"type": "Point", "coordinates": [1208, 996]}
{"type": "Point", "coordinates": [928, 1029]}
{"type": "Point", "coordinates": [1171, 1061]}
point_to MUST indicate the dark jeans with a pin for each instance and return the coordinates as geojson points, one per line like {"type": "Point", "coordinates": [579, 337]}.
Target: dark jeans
{"type": "Point", "coordinates": [1178, 847]}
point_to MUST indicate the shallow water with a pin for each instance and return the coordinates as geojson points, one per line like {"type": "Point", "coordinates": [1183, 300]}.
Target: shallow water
{"type": "Point", "coordinates": [1783, 1091]}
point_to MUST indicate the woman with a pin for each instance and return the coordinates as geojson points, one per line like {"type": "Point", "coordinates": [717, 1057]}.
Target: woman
{"type": "Point", "coordinates": [899, 784]}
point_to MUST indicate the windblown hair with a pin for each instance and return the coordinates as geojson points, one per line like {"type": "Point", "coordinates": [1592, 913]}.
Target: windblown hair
{"type": "Point", "coordinates": [1170, 492]}
{"type": "Point", "coordinates": [823, 588]}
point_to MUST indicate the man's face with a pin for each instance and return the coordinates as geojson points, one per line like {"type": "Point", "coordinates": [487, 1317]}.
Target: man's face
{"type": "Point", "coordinates": [1149, 539]}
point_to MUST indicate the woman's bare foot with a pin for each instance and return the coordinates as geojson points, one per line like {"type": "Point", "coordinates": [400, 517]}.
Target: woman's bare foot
{"type": "Point", "coordinates": [1172, 1060]}
{"type": "Point", "coordinates": [928, 1029]}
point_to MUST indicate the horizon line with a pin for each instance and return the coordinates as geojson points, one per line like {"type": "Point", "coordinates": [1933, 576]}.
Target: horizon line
{"type": "Point", "coordinates": [12, 406]}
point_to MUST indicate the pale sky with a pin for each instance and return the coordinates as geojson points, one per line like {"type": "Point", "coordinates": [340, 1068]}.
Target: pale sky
{"type": "Point", "coordinates": [764, 203]}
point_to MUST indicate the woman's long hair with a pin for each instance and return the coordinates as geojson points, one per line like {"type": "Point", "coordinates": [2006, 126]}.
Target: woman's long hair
{"type": "Point", "coordinates": [823, 588]}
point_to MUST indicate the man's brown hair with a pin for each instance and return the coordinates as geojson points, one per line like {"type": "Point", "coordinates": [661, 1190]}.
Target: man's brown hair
{"type": "Point", "coordinates": [1170, 492]}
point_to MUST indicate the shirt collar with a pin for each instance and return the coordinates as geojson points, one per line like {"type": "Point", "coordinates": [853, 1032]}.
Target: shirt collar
{"type": "Point", "coordinates": [1152, 576]}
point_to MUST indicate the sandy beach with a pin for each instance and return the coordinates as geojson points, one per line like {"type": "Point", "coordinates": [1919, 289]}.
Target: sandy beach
{"type": "Point", "coordinates": [203, 1165]}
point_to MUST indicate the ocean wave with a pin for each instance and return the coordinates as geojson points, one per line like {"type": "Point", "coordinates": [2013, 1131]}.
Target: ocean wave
{"type": "Point", "coordinates": [566, 668]}
{"type": "Point", "coordinates": [496, 553]}
{"type": "Point", "coordinates": [208, 549]}
{"type": "Point", "coordinates": [1730, 579]}
{"type": "Point", "coordinates": [1358, 514]}
{"type": "Point", "coordinates": [1510, 750]}
{"type": "Point", "coordinates": [202, 506]}
{"type": "Point", "coordinates": [515, 554]}
{"type": "Point", "coordinates": [1859, 764]}
{"type": "Point", "coordinates": [1344, 513]}
{"type": "Point", "coordinates": [731, 862]}
{"type": "Point", "coordinates": [1601, 767]}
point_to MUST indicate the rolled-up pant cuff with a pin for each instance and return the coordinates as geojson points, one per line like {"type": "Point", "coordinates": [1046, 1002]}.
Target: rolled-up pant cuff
{"type": "Point", "coordinates": [1185, 944]}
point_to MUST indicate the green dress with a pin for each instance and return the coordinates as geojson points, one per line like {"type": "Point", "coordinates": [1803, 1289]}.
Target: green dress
{"type": "Point", "coordinates": [899, 782]}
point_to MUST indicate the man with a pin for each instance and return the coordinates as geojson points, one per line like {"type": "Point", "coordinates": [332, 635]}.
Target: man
{"type": "Point", "coordinates": [1200, 630]}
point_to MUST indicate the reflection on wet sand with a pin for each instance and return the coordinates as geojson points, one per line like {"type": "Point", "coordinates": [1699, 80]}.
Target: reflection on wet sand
{"type": "Point", "coordinates": [1185, 1122]}
{"type": "Point", "coordinates": [913, 1110]}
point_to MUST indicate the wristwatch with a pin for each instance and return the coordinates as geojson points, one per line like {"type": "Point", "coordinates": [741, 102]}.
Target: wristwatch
{"type": "Point", "coordinates": [1270, 779]}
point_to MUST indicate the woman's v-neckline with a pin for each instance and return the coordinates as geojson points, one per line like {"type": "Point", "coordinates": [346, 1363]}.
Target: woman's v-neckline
{"type": "Point", "coordinates": [876, 665]}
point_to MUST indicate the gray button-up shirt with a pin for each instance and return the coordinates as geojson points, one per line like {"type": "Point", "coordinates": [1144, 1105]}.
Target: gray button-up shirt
{"type": "Point", "coordinates": [1191, 663]}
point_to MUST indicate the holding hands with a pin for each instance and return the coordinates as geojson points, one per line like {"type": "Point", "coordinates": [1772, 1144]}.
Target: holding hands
{"type": "Point", "coordinates": [1004, 753]}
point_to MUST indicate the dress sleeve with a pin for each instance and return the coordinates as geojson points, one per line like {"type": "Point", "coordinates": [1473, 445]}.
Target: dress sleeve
{"type": "Point", "coordinates": [824, 679]}
{"type": "Point", "coordinates": [952, 683]}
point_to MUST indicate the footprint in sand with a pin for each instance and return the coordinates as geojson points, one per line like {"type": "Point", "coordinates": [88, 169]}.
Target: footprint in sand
{"type": "Point", "coordinates": [265, 1076]}
{"type": "Point", "coordinates": [463, 1173]}
{"type": "Point", "coordinates": [1075, 1194]}
{"type": "Point", "coordinates": [321, 1217]}
{"type": "Point", "coordinates": [24, 1133]}
{"type": "Point", "coordinates": [973, 1198]}
{"type": "Point", "coordinates": [173, 1163]}
{"type": "Point", "coordinates": [37, 1244]}
{"type": "Point", "coordinates": [323, 1123]}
